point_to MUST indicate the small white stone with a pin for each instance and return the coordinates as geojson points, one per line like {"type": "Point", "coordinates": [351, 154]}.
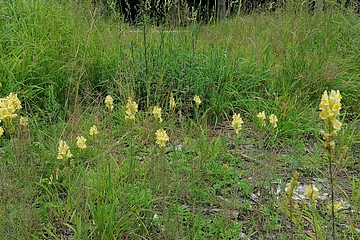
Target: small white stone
{"type": "Point", "coordinates": [242, 235]}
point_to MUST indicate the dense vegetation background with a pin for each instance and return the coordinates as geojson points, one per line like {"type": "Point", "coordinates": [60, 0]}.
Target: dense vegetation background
{"type": "Point", "coordinates": [63, 58]}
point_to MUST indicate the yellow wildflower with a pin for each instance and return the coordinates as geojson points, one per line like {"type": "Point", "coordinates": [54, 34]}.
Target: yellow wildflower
{"type": "Point", "coordinates": [172, 102]}
{"type": "Point", "coordinates": [273, 120]}
{"type": "Point", "coordinates": [337, 206]}
{"type": "Point", "coordinates": [7, 110]}
{"type": "Point", "coordinates": [330, 105]}
{"type": "Point", "coordinates": [81, 142]}
{"type": "Point", "coordinates": [197, 100]}
{"type": "Point", "coordinates": [237, 122]}
{"type": "Point", "coordinates": [1, 131]}
{"type": "Point", "coordinates": [8, 106]}
{"type": "Point", "coordinates": [262, 117]}
{"type": "Point", "coordinates": [14, 99]}
{"type": "Point", "coordinates": [312, 192]}
{"type": "Point", "coordinates": [157, 113]}
{"type": "Point", "coordinates": [161, 137]}
{"type": "Point", "coordinates": [94, 131]}
{"type": "Point", "coordinates": [330, 108]}
{"type": "Point", "coordinates": [24, 121]}
{"type": "Point", "coordinates": [131, 109]}
{"type": "Point", "coordinates": [109, 102]}
{"type": "Point", "coordinates": [64, 151]}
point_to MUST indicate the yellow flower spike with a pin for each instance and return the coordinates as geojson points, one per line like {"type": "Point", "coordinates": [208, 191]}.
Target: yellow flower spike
{"type": "Point", "coordinates": [311, 192]}
{"type": "Point", "coordinates": [14, 99]}
{"type": "Point", "coordinates": [24, 121]}
{"type": "Point", "coordinates": [1, 131]}
{"type": "Point", "coordinates": [109, 102]}
{"type": "Point", "coordinates": [63, 151]}
{"type": "Point", "coordinates": [94, 131]}
{"type": "Point", "coordinates": [262, 117]}
{"type": "Point", "coordinates": [273, 121]}
{"type": "Point", "coordinates": [7, 110]}
{"type": "Point", "coordinates": [81, 142]}
{"type": "Point", "coordinates": [161, 137]}
{"type": "Point", "coordinates": [157, 113]}
{"type": "Point", "coordinates": [197, 100]}
{"type": "Point", "coordinates": [131, 109]}
{"type": "Point", "coordinates": [330, 105]}
{"type": "Point", "coordinates": [330, 108]}
{"type": "Point", "coordinates": [337, 206]}
{"type": "Point", "coordinates": [172, 102]}
{"type": "Point", "coordinates": [237, 123]}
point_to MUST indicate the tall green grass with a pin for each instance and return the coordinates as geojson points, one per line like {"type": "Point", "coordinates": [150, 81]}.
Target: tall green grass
{"type": "Point", "coordinates": [55, 52]}
{"type": "Point", "coordinates": [64, 58]}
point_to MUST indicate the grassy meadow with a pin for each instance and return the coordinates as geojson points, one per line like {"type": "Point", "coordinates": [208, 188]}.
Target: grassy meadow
{"type": "Point", "coordinates": [210, 176]}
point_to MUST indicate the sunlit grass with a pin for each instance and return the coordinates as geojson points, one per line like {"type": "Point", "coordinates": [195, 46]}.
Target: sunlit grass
{"type": "Point", "coordinates": [119, 144]}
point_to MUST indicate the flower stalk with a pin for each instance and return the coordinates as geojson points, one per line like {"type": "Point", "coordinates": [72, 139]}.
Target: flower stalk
{"type": "Point", "coordinates": [312, 192]}
{"type": "Point", "coordinates": [290, 188]}
{"type": "Point", "coordinates": [131, 110]}
{"type": "Point", "coordinates": [161, 139]}
{"type": "Point", "coordinates": [109, 103]}
{"type": "Point", "coordinates": [330, 107]}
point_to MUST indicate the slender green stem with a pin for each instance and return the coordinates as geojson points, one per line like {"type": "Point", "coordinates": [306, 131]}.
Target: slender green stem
{"type": "Point", "coordinates": [332, 193]}
{"type": "Point", "coordinates": [197, 116]}
{"type": "Point", "coordinates": [163, 164]}
{"type": "Point", "coordinates": [7, 230]}
{"type": "Point", "coordinates": [313, 207]}
{"type": "Point", "coordinates": [237, 150]}
{"type": "Point", "coordinates": [331, 182]}
{"type": "Point", "coordinates": [144, 38]}
{"type": "Point", "coordinates": [291, 216]}
{"type": "Point", "coordinates": [131, 170]}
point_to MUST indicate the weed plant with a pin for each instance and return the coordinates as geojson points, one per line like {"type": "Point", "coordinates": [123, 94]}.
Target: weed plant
{"type": "Point", "coordinates": [175, 166]}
